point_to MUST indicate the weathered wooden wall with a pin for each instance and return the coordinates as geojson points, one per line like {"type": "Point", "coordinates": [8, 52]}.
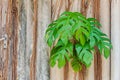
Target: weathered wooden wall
{"type": "Point", "coordinates": [26, 55]}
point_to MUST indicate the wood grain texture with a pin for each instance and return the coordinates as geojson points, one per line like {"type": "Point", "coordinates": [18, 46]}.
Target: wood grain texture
{"type": "Point", "coordinates": [27, 54]}
{"type": "Point", "coordinates": [89, 73]}
{"type": "Point", "coordinates": [105, 21]}
{"type": "Point", "coordinates": [9, 15]}
{"type": "Point", "coordinates": [33, 57]}
{"type": "Point", "coordinates": [21, 66]}
{"type": "Point", "coordinates": [115, 32]}
{"type": "Point", "coordinates": [1, 63]}
{"type": "Point", "coordinates": [10, 43]}
{"type": "Point", "coordinates": [44, 18]}
{"type": "Point", "coordinates": [97, 56]}
{"type": "Point", "coordinates": [71, 74]}
{"type": "Point", "coordinates": [4, 51]}
{"type": "Point", "coordinates": [14, 36]}
{"type": "Point", "coordinates": [74, 5]}
{"type": "Point", "coordinates": [67, 73]}
{"type": "Point", "coordinates": [0, 18]}
{"type": "Point", "coordinates": [58, 6]}
{"type": "Point", "coordinates": [29, 34]}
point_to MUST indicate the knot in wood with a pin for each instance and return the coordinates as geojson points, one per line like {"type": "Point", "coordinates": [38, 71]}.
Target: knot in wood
{"type": "Point", "coordinates": [14, 10]}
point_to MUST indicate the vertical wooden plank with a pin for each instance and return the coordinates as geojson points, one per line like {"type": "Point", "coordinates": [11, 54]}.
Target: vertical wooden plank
{"type": "Point", "coordinates": [74, 5]}
{"type": "Point", "coordinates": [33, 56]}
{"type": "Point", "coordinates": [97, 56]}
{"type": "Point", "coordinates": [0, 41]}
{"type": "Point", "coordinates": [58, 6]}
{"type": "Point", "coordinates": [89, 74]}
{"type": "Point", "coordinates": [29, 34]}
{"type": "Point", "coordinates": [0, 17]}
{"type": "Point", "coordinates": [11, 28]}
{"type": "Point", "coordinates": [105, 21]}
{"type": "Point", "coordinates": [14, 39]}
{"type": "Point", "coordinates": [1, 72]}
{"type": "Point", "coordinates": [68, 72]}
{"type": "Point", "coordinates": [10, 43]}
{"type": "Point", "coordinates": [21, 66]}
{"type": "Point", "coordinates": [4, 51]}
{"type": "Point", "coordinates": [44, 18]}
{"type": "Point", "coordinates": [115, 37]}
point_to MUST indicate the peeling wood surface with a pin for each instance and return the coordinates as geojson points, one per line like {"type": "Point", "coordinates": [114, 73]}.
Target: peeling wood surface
{"type": "Point", "coordinates": [27, 55]}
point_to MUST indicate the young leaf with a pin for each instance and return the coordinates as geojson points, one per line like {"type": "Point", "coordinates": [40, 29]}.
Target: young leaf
{"type": "Point", "coordinates": [69, 48]}
{"type": "Point", "coordinates": [73, 38]}
{"type": "Point", "coordinates": [76, 65]}
{"type": "Point", "coordinates": [82, 39]}
{"type": "Point", "coordinates": [61, 60]}
{"type": "Point", "coordinates": [50, 41]}
{"type": "Point", "coordinates": [53, 59]}
{"type": "Point", "coordinates": [106, 52]}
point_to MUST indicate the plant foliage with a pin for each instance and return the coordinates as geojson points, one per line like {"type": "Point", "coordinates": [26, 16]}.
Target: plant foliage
{"type": "Point", "coordinates": [73, 38]}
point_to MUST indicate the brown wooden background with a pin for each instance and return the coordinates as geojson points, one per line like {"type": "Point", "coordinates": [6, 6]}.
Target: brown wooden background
{"type": "Point", "coordinates": [26, 55]}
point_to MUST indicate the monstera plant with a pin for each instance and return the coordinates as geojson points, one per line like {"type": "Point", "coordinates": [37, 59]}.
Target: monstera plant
{"type": "Point", "coordinates": [73, 38]}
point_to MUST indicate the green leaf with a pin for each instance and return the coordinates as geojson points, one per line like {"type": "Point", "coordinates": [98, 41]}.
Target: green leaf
{"type": "Point", "coordinates": [61, 60]}
{"type": "Point", "coordinates": [55, 34]}
{"type": "Point", "coordinates": [76, 65]}
{"type": "Point", "coordinates": [85, 35]}
{"type": "Point", "coordinates": [92, 41]}
{"type": "Point", "coordinates": [69, 48]}
{"type": "Point", "coordinates": [105, 39]}
{"type": "Point", "coordinates": [52, 63]}
{"type": "Point", "coordinates": [78, 48]}
{"type": "Point", "coordinates": [52, 24]}
{"type": "Point", "coordinates": [59, 43]}
{"type": "Point", "coordinates": [72, 22]}
{"type": "Point", "coordinates": [96, 36]}
{"type": "Point", "coordinates": [81, 54]}
{"type": "Point", "coordinates": [97, 30]}
{"type": "Point", "coordinates": [53, 59]}
{"type": "Point", "coordinates": [77, 34]}
{"type": "Point", "coordinates": [94, 21]}
{"type": "Point", "coordinates": [106, 52]}
{"type": "Point", "coordinates": [79, 14]}
{"type": "Point", "coordinates": [50, 41]}
{"type": "Point", "coordinates": [60, 24]}
{"type": "Point", "coordinates": [87, 58]}
{"type": "Point", "coordinates": [50, 29]}
{"type": "Point", "coordinates": [66, 13]}
{"type": "Point", "coordinates": [107, 44]}
{"type": "Point", "coordinates": [100, 47]}
{"type": "Point", "coordinates": [67, 56]}
{"type": "Point", "coordinates": [64, 39]}
{"type": "Point", "coordinates": [82, 39]}
{"type": "Point", "coordinates": [75, 27]}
